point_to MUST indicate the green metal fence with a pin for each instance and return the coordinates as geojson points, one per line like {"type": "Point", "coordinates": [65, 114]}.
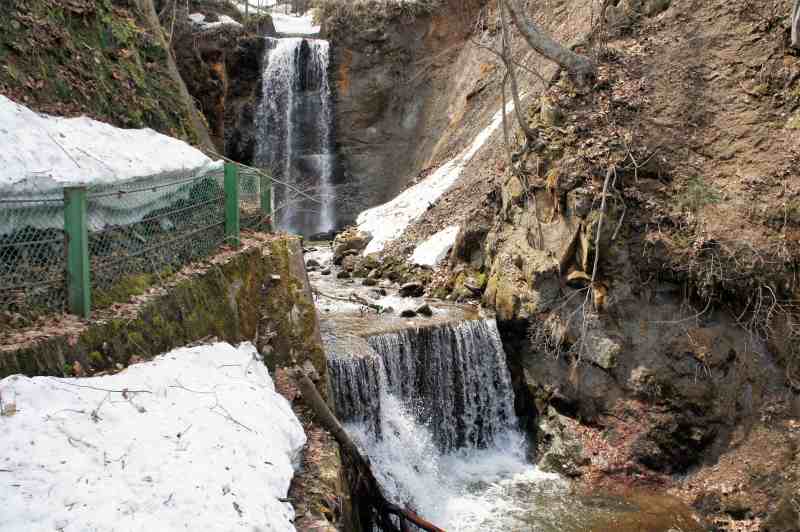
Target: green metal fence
{"type": "Point", "coordinates": [90, 247]}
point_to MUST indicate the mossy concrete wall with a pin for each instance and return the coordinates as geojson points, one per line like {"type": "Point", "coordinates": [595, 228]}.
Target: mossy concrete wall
{"type": "Point", "coordinates": [223, 299]}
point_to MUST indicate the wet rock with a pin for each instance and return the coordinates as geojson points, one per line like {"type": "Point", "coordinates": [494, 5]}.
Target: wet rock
{"type": "Point", "coordinates": [311, 263]}
{"type": "Point", "coordinates": [412, 289]}
{"type": "Point", "coordinates": [378, 293]}
{"type": "Point", "coordinates": [562, 452]}
{"type": "Point", "coordinates": [311, 371]}
{"type": "Point", "coordinates": [673, 444]}
{"type": "Point", "coordinates": [349, 262]}
{"type": "Point", "coordinates": [326, 271]}
{"type": "Point", "coordinates": [579, 201]}
{"type": "Point", "coordinates": [343, 275]}
{"type": "Point", "coordinates": [374, 35]}
{"type": "Point", "coordinates": [475, 286]}
{"type": "Point", "coordinates": [326, 235]}
{"type": "Point", "coordinates": [654, 7]}
{"type": "Point", "coordinates": [469, 245]}
{"type": "Point", "coordinates": [602, 350]}
{"type": "Point", "coordinates": [551, 114]}
{"type": "Point", "coordinates": [352, 240]}
{"type": "Point", "coordinates": [374, 274]}
{"type": "Point", "coordinates": [578, 279]}
{"type": "Point", "coordinates": [408, 313]}
{"type": "Point", "coordinates": [369, 282]}
{"type": "Point", "coordinates": [424, 310]}
{"type": "Point", "coordinates": [360, 271]}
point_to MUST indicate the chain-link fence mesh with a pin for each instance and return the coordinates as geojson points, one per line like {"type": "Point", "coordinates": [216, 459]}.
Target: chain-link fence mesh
{"type": "Point", "coordinates": [144, 231]}
{"type": "Point", "coordinates": [140, 233]}
{"type": "Point", "coordinates": [32, 253]}
{"type": "Point", "coordinates": [250, 190]}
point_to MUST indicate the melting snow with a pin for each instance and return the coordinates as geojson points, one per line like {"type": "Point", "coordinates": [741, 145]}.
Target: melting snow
{"type": "Point", "coordinates": [199, 19]}
{"type": "Point", "coordinates": [255, 6]}
{"type": "Point", "coordinates": [47, 151]}
{"type": "Point", "coordinates": [432, 251]}
{"type": "Point", "coordinates": [295, 25]}
{"type": "Point", "coordinates": [210, 446]}
{"type": "Point", "coordinates": [388, 221]}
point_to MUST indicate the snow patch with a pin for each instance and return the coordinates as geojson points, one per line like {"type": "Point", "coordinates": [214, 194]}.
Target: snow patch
{"type": "Point", "coordinates": [199, 19]}
{"type": "Point", "coordinates": [295, 25]}
{"type": "Point", "coordinates": [261, 6]}
{"type": "Point", "coordinates": [45, 151]}
{"type": "Point", "coordinates": [209, 446]}
{"type": "Point", "coordinates": [388, 221]}
{"type": "Point", "coordinates": [433, 250]}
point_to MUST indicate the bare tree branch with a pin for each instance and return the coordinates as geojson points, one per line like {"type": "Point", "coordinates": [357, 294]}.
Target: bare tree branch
{"type": "Point", "coordinates": [518, 109]}
{"type": "Point", "coordinates": [580, 68]}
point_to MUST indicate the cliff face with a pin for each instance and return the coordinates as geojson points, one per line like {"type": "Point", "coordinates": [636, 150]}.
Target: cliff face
{"type": "Point", "coordinates": [397, 85]}
{"type": "Point", "coordinates": [222, 67]}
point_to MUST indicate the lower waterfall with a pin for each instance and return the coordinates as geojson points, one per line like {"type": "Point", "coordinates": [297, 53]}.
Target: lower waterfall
{"type": "Point", "coordinates": [433, 410]}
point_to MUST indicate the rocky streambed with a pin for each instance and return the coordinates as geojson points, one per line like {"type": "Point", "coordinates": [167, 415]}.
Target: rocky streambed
{"type": "Point", "coordinates": [423, 386]}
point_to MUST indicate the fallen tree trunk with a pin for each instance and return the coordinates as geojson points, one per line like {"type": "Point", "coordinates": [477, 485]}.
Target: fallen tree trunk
{"type": "Point", "coordinates": [354, 298]}
{"type": "Point", "coordinates": [368, 487]}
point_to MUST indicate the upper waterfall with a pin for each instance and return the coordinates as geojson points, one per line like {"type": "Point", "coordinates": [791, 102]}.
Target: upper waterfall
{"type": "Point", "coordinates": [294, 122]}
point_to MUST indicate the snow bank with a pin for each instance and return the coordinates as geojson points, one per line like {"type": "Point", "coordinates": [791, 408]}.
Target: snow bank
{"type": "Point", "coordinates": [41, 154]}
{"type": "Point", "coordinates": [42, 151]}
{"type": "Point", "coordinates": [199, 20]}
{"type": "Point", "coordinates": [432, 251]}
{"type": "Point", "coordinates": [295, 25]}
{"type": "Point", "coordinates": [209, 446]}
{"type": "Point", "coordinates": [285, 22]}
{"type": "Point", "coordinates": [255, 7]}
{"type": "Point", "coordinates": [388, 221]}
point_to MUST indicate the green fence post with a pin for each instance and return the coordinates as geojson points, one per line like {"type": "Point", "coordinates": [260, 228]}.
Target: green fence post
{"type": "Point", "coordinates": [79, 291]}
{"type": "Point", "coordinates": [232, 204]}
{"type": "Point", "coordinates": [266, 199]}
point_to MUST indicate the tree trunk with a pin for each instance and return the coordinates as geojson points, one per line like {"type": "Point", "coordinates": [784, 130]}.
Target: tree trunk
{"type": "Point", "coordinates": [580, 68]}
{"type": "Point", "coordinates": [374, 494]}
{"type": "Point", "coordinates": [509, 61]}
{"type": "Point", "coordinates": [148, 10]}
{"type": "Point", "coordinates": [796, 24]}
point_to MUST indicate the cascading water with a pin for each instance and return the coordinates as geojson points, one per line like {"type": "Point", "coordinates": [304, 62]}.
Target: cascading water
{"type": "Point", "coordinates": [433, 409]}
{"type": "Point", "coordinates": [295, 133]}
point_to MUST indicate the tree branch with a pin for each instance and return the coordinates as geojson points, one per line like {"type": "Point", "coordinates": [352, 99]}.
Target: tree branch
{"type": "Point", "coordinates": [580, 68]}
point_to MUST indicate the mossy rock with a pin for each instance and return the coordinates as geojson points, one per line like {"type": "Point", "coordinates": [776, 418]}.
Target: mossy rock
{"type": "Point", "coordinates": [98, 59]}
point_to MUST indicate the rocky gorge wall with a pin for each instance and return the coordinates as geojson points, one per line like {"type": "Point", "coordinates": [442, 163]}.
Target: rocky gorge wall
{"type": "Point", "coordinates": [669, 364]}
{"type": "Point", "coordinates": [402, 74]}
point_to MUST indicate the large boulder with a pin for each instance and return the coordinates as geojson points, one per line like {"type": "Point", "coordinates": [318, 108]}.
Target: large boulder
{"type": "Point", "coordinates": [412, 289]}
{"type": "Point", "coordinates": [349, 240]}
